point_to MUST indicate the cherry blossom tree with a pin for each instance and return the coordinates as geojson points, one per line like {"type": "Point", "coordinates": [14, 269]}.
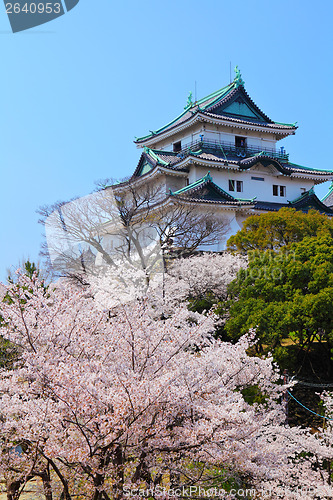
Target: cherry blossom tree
{"type": "Point", "coordinates": [202, 276]}
{"type": "Point", "coordinates": [101, 401]}
{"type": "Point", "coordinates": [196, 277]}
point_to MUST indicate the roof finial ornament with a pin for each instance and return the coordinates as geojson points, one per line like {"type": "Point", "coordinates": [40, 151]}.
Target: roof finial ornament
{"type": "Point", "coordinates": [189, 101]}
{"type": "Point", "coordinates": [238, 78]}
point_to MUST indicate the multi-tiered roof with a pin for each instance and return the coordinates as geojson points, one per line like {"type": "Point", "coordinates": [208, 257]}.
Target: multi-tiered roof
{"type": "Point", "coordinates": [230, 107]}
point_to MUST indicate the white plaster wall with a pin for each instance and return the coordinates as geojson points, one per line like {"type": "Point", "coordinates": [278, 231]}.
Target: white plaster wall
{"type": "Point", "coordinates": [192, 174]}
{"type": "Point", "coordinates": [263, 143]}
{"type": "Point", "coordinates": [185, 137]}
{"type": "Point", "coordinates": [263, 190]}
{"type": "Point", "coordinates": [174, 183]}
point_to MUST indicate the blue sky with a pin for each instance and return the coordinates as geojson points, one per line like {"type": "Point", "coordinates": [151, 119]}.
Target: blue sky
{"type": "Point", "coordinates": [77, 90]}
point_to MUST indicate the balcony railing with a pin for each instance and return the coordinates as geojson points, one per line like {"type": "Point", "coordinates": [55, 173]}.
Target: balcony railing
{"type": "Point", "coordinates": [228, 149]}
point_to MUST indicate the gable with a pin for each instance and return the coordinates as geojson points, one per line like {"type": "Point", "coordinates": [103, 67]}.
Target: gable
{"type": "Point", "coordinates": [239, 105]}
{"type": "Point", "coordinates": [144, 168]}
{"type": "Point", "coordinates": [209, 192]}
{"type": "Point", "coordinates": [205, 189]}
{"type": "Point", "coordinates": [268, 168]}
{"type": "Point", "coordinates": [241, 109]}
{"type": "Point", "coordinates": [308, 201]}
{"type": "Point", "coordinates": [264, 163]}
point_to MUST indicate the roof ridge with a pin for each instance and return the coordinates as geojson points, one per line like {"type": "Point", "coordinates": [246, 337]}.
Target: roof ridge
{"type": "Point", "coordinates": [330, 190]}
{"type": "Point", "coordinates": [287, 124]}
{"type": "Point", "coordinates": [186, 109]}
{"type": "Point", "coordinates": [216, 93]}
{"type": "Point", "coordinates": [155, 132]}
{"type": "Point", "coordinates": [202, 180]}
{"type": "Point", "coordinates": [208, 179]}
{"type": "Point", "coordinates": [155, 157]}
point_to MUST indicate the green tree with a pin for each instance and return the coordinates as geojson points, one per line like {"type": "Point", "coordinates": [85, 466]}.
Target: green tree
{"type": "Point", "coordinates": [8, 352]}
{"type": "Point", "coordinates": [274, 230]}
{"type": "Point", "coordinates": [28, 268]}
{"type": "Point", "coordinates": [286, 293]}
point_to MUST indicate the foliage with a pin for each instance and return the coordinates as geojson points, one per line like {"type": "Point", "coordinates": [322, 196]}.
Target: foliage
{"type": "Point", "coordinates": [30, 269]}
{"type": "Point", "coordinates": [8, 352]}
{"type": "Point", "coordinates": [273, 230]}
{"type": "Point", "coordinates": [286, 293]}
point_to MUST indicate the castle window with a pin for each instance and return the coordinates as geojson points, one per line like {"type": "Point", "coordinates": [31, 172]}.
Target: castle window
{"type": "Point", "coordinates": [279, 190]}
{"type": "Point", "coordinates": [240, 142]}
{"type": "Point", "coordinates": [177, 146]}
{"type": "Point", "coordinates": [236, 186]}
{"type": "Point", "coordinates": [257, 178]}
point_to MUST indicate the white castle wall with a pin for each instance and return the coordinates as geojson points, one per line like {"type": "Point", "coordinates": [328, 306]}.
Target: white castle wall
{"type": "Point", "coordinates": [262, 190]}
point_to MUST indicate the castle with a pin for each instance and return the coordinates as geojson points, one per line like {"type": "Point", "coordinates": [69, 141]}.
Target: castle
{"type": "Point", "coordinates": [221, 153]}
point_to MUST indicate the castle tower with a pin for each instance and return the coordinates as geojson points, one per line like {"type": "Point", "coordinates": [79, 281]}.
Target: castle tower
{"type": "Point", "coordinates": [223, 151]}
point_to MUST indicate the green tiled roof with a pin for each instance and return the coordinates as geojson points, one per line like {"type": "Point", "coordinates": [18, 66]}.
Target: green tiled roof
{"type": "Point", "coordinates": [303, 195]}
{"type": "Point", "coordinates": [154, 156]}
{"type": "Point", "coordinates": [202, 104]}
{"type": "Point", "coordinates": [214, 98]}
{"type": "Point", "coordinates": [210, 104]}
{"type": "Point", "coordinates": [287, 124]}
{"type": "Point", "coordinates": [207, 179]}
{"type": "Point", "coordinates": [195, 184]}
{"type": "Point", "coordinates": [308, 168]}
{"type": "Point", "coordinates": [329, 193]}
{"type": "Point", "coordinates": [309, 200]}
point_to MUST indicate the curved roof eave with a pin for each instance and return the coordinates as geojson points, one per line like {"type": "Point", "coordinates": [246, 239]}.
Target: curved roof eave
{"type": "Point", "coordinates": [192, 108]}
{"type": "Point", "coordinates": [329, 193]}
{"type": "Point", "coordinates": [206, 117]}
{"type": "Point", "coordinates": [214, 100]}
{"type": "Point", "coordinates": [154, 172]}
{"type": "Point", "coordinates": [227, 204]}
{"type": "Point", "coordinates": [249, 162]}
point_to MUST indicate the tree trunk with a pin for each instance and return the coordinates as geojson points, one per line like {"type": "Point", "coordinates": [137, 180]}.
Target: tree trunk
{"type": "Point", "coordinates": [13, 489]}
{"type": "Point", "coordinates": [258, 347]}
{"type": "Point", "coordinates": [99, 479]}
{"type": "Point", "coordinates": [142, 471]}
{"type": "Point", "coordinates": [65, 495]}
{"type": "Point", "coordinates": [99, 493]}
{"type": "Point", "coordinates": [276, 342]}
{"type": "Point", "coordinates": [329, 360]}
{"type": "Point", "coordinates": [118, 462]}
{"type": "Point", "coordinates": [46, 478]}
